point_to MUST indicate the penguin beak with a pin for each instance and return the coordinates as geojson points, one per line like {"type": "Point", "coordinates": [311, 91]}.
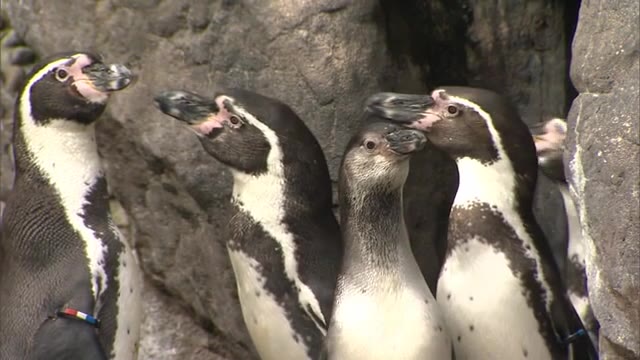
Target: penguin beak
{"type": "Point", "coordinates": [406, 141]}
{"type": "Point", "coordinates": [108, 78]}
{"type": "Point", "coordinates": [186, 106]}
{"type": "Point", "coordinates": [400, 108]}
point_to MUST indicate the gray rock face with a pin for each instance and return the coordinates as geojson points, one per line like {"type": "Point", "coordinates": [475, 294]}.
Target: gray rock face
{"type": "Point", "coordinates": [605, 159]}
{"type": "Point", "coordinates": [169, 332]}
{"type": "Point", "coordinates": [321, 57]}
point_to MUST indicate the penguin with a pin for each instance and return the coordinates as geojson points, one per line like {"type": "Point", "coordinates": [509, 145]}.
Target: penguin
{"type": "Point", "coordinates": [284, 245]}
{"type": "Point", "coordinates": [70, 284]}
{"type": "Point", "coordinates": [500, 289]}
{"type": "Point", "coordinates": [549, 137]}
{"type": "Point", "coordinates": [383, 307]}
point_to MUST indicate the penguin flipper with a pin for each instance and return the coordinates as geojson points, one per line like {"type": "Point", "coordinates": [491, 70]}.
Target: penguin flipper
{"type": "Point", "coordinates": [64, 339]}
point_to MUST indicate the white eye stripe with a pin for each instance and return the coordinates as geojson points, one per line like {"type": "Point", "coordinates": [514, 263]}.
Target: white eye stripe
{"type": "Point", "coordinates": [25, 102]}
{"type": "Point", "coordinates": [47, 69]}
{"type": "Point", "coordinates": [44, 71]}
{"type": "Point", "coordinates": [246, 117]}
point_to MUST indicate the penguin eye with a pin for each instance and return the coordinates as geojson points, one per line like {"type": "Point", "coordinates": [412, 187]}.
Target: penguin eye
{"type": "Point", "coordinates": [370, 145]}
{"type": "Point", "coordinates": [61, 74]}
{"type": "Point", "coordinates": [234, 120]}
{"type": "Point", "coordinates": [452, 110]}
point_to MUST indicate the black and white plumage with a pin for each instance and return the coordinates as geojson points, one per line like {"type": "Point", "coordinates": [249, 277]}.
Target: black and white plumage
{"type": "Point", "coordinates": [60, 248]}
{"type": "Point", "coordinates": [500, 289]}
{"type": "Point", "coordinates": [549, 137]}
{"type": "Point", "coordinates": [383, 308]}
{"type": "Point", "coordinates": [284, 243]}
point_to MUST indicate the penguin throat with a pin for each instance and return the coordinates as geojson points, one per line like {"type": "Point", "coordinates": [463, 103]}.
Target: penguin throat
{"type": "Point", "coordinates": [65, 152]}
{"type": "Point", "coordinates": [260, 195]}
{"type": "Point", "coordinates": [494, 183]}
{"type": "Point", "coordinates": [373, 229]}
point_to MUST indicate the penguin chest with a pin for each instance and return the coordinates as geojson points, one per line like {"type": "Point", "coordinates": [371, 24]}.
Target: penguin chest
{"type": "Point", "coordinates": [268, 324]}
{"type": "Point", "coordinates": [383, 324]}
{"type": "Point", "coordinates": [485, 308]}
{"type": "Point", "coordinates": [129, 316]}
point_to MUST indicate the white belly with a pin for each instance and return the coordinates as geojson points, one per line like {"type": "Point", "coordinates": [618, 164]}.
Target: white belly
{"type": "Point", "coordinates": [486, 313]}
{"type": "Point", "coordinates": [403, 324]}
{"type": "Point", "coordinates": [270, 331]}
{"type": "Point", "coordinates": [129, 307]}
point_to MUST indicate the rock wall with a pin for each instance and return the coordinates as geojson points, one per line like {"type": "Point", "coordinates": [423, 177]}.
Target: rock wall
{"type": "Point", "coordinates": [604, 162]}
{"type": "Point", "coordinates": [323, 58]}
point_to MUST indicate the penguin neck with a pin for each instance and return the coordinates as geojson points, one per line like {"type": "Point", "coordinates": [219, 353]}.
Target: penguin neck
{"type": "Point", "coordinates": [493, 183]}
{"type": "Point", "coordinates": [266, 196]}
{"type": "Point", "coordinates": [374, 231]}
{"type": "Point", "coordinates": [66, 154]}
{"type": "Point", "coordinates": [262, 196]}
{"type": "Point", "coordinates": [490, 184]}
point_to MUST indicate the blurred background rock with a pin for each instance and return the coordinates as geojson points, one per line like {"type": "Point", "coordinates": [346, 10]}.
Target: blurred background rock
{"type": "Point", "coordinates": [324, 58]}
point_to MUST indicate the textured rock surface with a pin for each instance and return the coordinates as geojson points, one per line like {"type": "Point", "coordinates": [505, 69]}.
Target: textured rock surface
{"type": "Point", "coordinates": [321, 57]}
{"type": "Point", "coordinates": [169, 332]}
{"type": "Point", "coordinates": [605, 153]}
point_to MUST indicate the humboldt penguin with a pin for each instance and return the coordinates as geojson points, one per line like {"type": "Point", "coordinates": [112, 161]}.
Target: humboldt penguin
{"type": "Point", "coordinates": [69, 282]}
{"type": "Point", "coordinates": [285, 244]}
{"type": "Point", "coordinates": [549, 137]}
{"type": "Point", "coordinates": [500, 289]}
{"type": "Point", "coordinates": [383, 308]}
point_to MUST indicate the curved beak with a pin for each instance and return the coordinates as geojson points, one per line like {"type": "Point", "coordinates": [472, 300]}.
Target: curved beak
{"type": "Point", "coordinates": [186, 106]}
{"type": "Point", "coordinates": [401, 108]}
{"type": "Point", "coordinates": [108, 78]}
{"type": "Point", "coordinates": [406, 141]}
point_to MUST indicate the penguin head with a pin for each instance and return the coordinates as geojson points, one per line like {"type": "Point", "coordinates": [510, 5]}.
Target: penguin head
{"type": "Point", "coordinates": [240, 128]}
{"type": "Point", "coordinates": [70, 87]}
{"type": "Point", "coordinates": [549, 137]}
{"type": "Point", "coordinates": [378, 154]}
{"type": "Point", "coordinates": [465, 122]}
{"type": "Point", "coordinates": [454, 124]}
